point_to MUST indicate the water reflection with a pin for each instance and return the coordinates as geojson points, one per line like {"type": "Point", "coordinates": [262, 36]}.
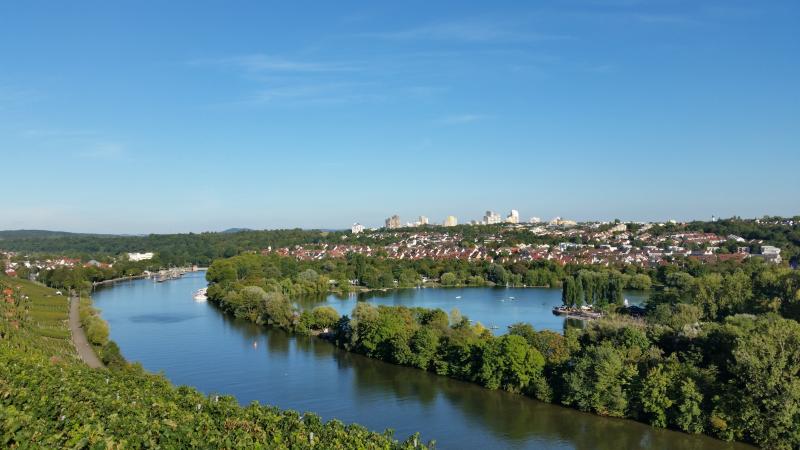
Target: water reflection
{"type": "Point", "coordinates": [218, 353]}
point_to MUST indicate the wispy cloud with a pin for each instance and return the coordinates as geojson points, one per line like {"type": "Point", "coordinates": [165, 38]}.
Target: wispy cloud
{"type": "Point", "coordinates": [469, 31]}
{"type": "Point", "coordinates": [641, 13]}
{"type": "Point", "coordinates": [259, 63]}
{"type": "Point", "coordinates": [460, 119]}
{"type": "Point", "coordinates": [663, 18]}
{"type": "Point", "coordinates": [318, 94]}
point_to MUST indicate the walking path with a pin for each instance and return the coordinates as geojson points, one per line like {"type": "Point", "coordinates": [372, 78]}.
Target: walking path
{"type": "Point", "coordinates": [82, 345]}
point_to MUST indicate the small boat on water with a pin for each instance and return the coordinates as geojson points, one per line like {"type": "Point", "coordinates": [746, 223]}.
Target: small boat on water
{"type": "Point", "coordinates": [458, 297]}
{"type": "Point", "coordinates": [200, 295]}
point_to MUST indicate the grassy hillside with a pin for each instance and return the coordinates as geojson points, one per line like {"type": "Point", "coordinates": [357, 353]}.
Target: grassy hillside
{"type": "Point", "coordinates": [49, 399]}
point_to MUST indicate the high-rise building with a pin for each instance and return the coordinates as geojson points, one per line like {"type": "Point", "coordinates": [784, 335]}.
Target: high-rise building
{"type": "Point", "coordinates": [357, 228]}
{"type": "Point", "coordinates": [491, 218]}
{"type": "Point", "coordinates": [450, 221]}
{"type": "Point", "coordinates": [393, 222]}
{"type": "Point", "coordinates": [535, 220]}
{"type": "Point", "coordinates": [423, 220]}
{"type": "Point", "coordinates": [513, 216]}
{"type": "Point", "coordinates": [559, 222]}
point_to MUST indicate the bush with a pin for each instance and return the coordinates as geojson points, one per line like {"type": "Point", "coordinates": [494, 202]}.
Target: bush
{"type": "Point", "coordinates": [97, 332]}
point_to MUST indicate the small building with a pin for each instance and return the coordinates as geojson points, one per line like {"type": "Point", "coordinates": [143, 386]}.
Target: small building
{"type": "Point", "coordinates": [140, 256]}
{"type": "Point", "coordinates": [357, 228]}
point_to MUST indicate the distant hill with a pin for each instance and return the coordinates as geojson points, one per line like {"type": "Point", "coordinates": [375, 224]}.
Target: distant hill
{"type": "Point", "coordinates": [236, 230]}
{"type": "Point", "coordinates": [44, 234]}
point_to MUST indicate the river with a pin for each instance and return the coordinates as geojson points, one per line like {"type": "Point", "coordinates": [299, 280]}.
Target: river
{"type": "Point", "coordinates": [159, 325]}
{"type": "Point", "coordinates": [495, 308]}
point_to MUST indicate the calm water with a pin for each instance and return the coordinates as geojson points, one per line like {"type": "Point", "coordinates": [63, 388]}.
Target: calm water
{"type": "Point", "coordinates": [493, 307]}
{"type": "Point", "coordinates": [160, 326]}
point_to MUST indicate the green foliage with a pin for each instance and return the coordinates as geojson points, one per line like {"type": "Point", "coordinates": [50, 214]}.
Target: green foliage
{"type": "Point", "coordinates": [96, 328]}
{"type": "Point", "coordinates": [50, 399]}
{"type": "Point", "coordinates": [449, 279]}
{"type": "Point", "coordinates": [696, 364]}
{"type": "Point", "coordinates": [509, 362]}
{"type": "Point", "coordinates": [763, 396]}
{"type": "Point", "coordinates": [600, 381]}
{"type": "Point", "coordinates": [655, 397]}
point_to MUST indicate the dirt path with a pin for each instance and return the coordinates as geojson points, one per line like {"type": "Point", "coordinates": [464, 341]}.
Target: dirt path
{"type": "Point", "coordinates": [82, 345]}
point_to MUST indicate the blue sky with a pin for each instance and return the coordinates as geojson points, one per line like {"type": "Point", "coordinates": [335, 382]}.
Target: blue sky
{"type": "Point", "coordinates": [148, 116]}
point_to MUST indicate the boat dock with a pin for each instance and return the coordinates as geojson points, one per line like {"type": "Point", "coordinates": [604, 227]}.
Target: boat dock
{"type": "Point", "coordinates": [583, 313]}
{"type": "Point", "coordinates": [173, 273]}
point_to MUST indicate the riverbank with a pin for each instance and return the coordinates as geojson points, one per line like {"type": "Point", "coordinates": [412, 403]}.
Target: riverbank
{"type": "Point", "coordinates": [215, 352]}
{"type": "Point", "coordinates": [115, 280]}
{"type": "Point", "coordinates": [539, 364]}
{"type": "Point", "coordinates": [142, 276]}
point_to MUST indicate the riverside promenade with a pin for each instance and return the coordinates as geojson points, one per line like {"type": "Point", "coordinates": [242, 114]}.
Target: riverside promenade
{"type": "Point", "coordinates": [79, 340]}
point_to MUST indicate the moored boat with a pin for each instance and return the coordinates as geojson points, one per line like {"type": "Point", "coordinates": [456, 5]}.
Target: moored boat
{"type": "Point", "coordinates": [200, 295]}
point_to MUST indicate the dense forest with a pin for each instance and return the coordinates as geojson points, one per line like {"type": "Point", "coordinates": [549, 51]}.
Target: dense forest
{"type": "Point", "coordinates": [50, 399]}
{"type": "Point", "coordinates": [718, 352]}
{"type": "Point", "coordinates": [171, 249]}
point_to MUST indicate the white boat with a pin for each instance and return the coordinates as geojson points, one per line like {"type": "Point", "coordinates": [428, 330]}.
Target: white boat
{"type": "Point", "coordinates": [200, 295]}
{"type": "Point", "coordinates": [458, 296]}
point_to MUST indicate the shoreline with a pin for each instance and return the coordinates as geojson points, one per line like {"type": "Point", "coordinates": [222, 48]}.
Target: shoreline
{"type": "Point", "coordinates": [328, 338]}
{"type": "Point", "coordinates": [137, 277]}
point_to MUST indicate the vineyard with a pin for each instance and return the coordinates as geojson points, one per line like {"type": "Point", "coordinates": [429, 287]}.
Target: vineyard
{"type": "Point", "coordinates": [49, 399]}
{"type": "Point", "coordinates": [35, 320]}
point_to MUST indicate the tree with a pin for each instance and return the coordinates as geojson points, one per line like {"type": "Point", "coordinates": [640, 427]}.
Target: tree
{"type": "Point", "coordinates": [324, 317]}
{"type": "Point", "coordinates": [689, 416]}
{"type": "Point", "coordinates": [508, 362]}
{"type": "Point", "coordinates": [766, 384]}
{"type": "Point", "coordinates": [423, 345]}
{"type": "Point", "coordinates": [497, 274]}
{"type": "Point", "coordinates": [278, 310]}
{"type": "Point", "coordinates": [308, 276]}
{"type": "Point", "coordinates": [599, 381]}
{"type": "Point", "coordinates": [654, 395]}
{"type": "Point", "coordinates": [449, 279]}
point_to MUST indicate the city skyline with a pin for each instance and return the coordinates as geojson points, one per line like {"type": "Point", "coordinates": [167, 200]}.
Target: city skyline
{"type": "Point", "coordinates": [315, 117]}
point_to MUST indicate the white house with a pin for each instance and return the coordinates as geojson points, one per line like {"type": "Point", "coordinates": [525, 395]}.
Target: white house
{"type": "Point", "coordinates": [140, 256]}
{"type": "Point", "coordinates": [357, 228]}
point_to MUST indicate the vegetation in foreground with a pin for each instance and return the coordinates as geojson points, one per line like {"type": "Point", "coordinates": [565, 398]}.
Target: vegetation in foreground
{"type": "Point", "coordinates": [714, 355]}
{"type": "Point", "coordinates": [49, 399]}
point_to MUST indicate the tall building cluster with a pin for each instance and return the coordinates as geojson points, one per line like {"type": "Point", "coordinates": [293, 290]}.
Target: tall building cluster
{"type": "Point", "coordinates": [393, 222]}
{"type": "Point", "coordinates": [450, 221]}
{"type": "Point", "coordinates": [490, 218]}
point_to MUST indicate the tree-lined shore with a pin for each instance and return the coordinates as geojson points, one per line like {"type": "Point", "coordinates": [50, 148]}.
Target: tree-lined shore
{"type": "Point", "coordinates": [718, 345]}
